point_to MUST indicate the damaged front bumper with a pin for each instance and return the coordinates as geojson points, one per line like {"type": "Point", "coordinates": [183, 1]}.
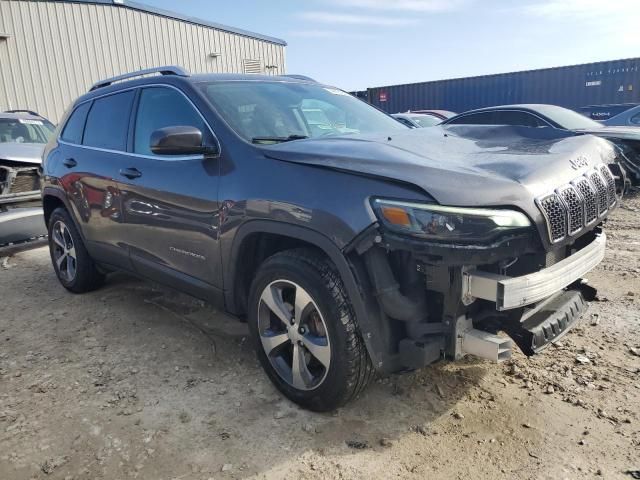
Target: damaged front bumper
{"type": "Point", "coordinates": [448, 303]}
{"type": "Point", "coordinates": [512, 292]}
{"type": "Point", "coordinates": [21, 226]}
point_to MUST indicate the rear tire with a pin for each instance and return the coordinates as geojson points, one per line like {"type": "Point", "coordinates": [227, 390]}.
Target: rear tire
{"type": "Point", "coordinates": [73, 265]}
{"type": "Point", "coordinates": [299, 310]}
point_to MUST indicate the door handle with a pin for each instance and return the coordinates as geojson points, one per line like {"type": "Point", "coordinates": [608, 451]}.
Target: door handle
{"type": "Point", "coordinates": [130, 173]}
{"type": "Point", "coordinates": [70, 163]}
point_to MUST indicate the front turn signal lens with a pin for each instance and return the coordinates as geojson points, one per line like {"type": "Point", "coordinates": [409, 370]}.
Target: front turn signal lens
{"type": "Point", "coordinates": [396, 216]}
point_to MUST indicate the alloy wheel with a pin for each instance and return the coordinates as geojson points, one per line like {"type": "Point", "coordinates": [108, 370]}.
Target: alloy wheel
{"type": "Point", "coordinates": [64, 251]}
{"type": "Point", "coordinates": [294, 334]}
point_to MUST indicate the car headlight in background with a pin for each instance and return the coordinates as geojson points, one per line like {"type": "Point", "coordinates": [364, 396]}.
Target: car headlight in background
{"type": "Point", "coordinates": [439, 222]}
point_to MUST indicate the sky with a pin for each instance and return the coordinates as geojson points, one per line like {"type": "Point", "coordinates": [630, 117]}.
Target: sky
{"type": "Point", "coordinates": [355, 44]}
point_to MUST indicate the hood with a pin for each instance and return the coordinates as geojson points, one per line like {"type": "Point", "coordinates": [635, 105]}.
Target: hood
{"type": "Point", "coordinates": [625, 133]}
{"type": "Point", "coordinates": [460, 165]}
{"type": "Point", "coordinates": [22, 152]}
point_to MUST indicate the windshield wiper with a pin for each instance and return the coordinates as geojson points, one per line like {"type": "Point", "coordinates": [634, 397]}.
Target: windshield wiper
{"type": "Point", "coordinates": [277, 139]}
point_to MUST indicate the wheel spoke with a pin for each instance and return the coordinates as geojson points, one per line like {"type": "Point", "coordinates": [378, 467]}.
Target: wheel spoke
{"type": "Point", "coordinates": [71, 267]}
{"type": "Point", "coordinates": [319, 348]}
{"type": "Point", "coordinates": [72, 252]}
{"type": "Point", "coordinates": [270, 342]}
{"type": "Point", "coordinates": [272, 297]}
{"type": "Point", "coordinates": [300, 375]}
{"type": "Point", "coordinates": [57, 238]}
{"type": "Point", "coordinates": [302, 300]}
{"type": "Point", "coordinates": [60, 260]}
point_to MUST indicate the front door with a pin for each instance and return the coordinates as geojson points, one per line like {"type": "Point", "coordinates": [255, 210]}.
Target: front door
{"type": "Point", "coordinates": [169, 203]}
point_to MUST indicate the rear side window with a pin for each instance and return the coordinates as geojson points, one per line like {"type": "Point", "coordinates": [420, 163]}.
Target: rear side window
{"type": "Point", "coordinates": [108, 122]}
{"type": "Point", "coordinates": [505, 117]}
{"type": "Point", "coordinates": [72, 132]}
{"type": "Point", "coordinates": [161, 107]}
{"type": "Point", "coordinates": [523, 119]}
{"type": "Point", "coordinates": [636, 119]}
{"type": "Point", "coordinates": [484, 118]}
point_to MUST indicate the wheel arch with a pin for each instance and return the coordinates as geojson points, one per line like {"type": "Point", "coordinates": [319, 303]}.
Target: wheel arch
{"type": "Point", "coordinates": [295, 236]}
{"type": "Point", "coordinates": [53, 198]}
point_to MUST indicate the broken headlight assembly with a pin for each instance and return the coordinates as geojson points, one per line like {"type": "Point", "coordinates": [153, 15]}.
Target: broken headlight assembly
{"type": "Point", "coordinates": [442, 223]}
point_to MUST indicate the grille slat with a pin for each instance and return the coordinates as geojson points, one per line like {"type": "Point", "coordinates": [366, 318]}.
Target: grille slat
{"type": "Point", "coordinates": [603, 195]}
{"type": "Point", "coordinates": [589, 195]}
{"type": "Point", "coordinates": [572, 207]}
{"type": "Point", "coordinates": [556, 216]}
{"type": "Point", "coordinates": [575, 208]}
{"type": "Point", "coordinates": [610, 182]}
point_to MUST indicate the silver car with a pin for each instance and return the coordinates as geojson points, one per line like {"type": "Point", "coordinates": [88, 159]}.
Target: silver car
{"type": "Point", "coordinates": [23, 135]}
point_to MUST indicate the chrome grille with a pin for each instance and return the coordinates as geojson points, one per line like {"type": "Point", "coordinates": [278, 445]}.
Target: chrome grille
{"type": "Point", "coordinates": [610, 182]}
{"type": "Point", "coordinates": [603, 194]}
{"type": "Point", "coordinates": [590, 197]}
{"type": "Point", "coordinates": [556, 215]}
{"type": "Point", "coordinates": [572, 207]}
{"type": "Point", "coordinates": [575, 208]}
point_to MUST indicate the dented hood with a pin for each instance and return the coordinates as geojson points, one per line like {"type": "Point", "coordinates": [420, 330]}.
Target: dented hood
{"type": "Point", "coordinates": [21, 152]}
{"type": "Point", "coordinates": [460, 165]}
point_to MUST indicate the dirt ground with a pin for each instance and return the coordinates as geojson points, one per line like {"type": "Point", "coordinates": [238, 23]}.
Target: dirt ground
{"type": "Point", "coordinates": [135, 381]}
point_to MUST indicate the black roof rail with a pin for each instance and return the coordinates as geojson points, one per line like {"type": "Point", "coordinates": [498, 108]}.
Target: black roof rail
{"type": "Point", "coordinates": [30, 112]}
{"type": "Point", "coordinates": [166, 70]}
{"type": "Point", "coordinates": [301, 77]}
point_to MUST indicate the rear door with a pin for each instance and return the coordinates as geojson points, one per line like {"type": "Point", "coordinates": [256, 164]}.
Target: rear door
{"type": "Point", "coordinates": [170, 204]}
{"type": "Point", "coordinates": [92, 148]}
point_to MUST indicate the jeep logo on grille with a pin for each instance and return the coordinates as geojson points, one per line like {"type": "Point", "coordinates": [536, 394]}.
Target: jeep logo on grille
{"type": "Point", "coordinates": [581, 161]}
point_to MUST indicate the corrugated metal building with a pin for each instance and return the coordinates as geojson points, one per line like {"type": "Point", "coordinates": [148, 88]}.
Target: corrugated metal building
{"type": "Point", "coordinates": [53, 51]}
{"type": "Point", "coordinates": [576, 86]}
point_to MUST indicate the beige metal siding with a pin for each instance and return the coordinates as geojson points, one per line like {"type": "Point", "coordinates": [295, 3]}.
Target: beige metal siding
{"type": "Point", "coordinates": [56, 50]}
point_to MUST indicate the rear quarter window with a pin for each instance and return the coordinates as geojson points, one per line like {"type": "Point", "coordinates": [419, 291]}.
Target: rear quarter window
{"type": "Point", "coordinates": [74, 128]}
{"type": "Point", "coordinates": [108, 122]}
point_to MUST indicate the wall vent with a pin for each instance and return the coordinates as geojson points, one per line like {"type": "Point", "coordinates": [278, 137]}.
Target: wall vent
{"type": "Point", "coordinates": [251, 66]}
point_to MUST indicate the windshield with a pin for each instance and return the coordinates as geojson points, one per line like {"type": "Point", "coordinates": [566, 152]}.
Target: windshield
{"type": "Point", "coordinates": [568, 119]}
{"type": "Point", "coordinates": [426, 120]}
{"type": "Point", "coordinates": [271, 112]}
{"type": "Point", "coordinates": [25, 130]}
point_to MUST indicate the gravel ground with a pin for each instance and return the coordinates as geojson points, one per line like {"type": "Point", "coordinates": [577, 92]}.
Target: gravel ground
{"type": "Point", "coordinates": [135, 381]}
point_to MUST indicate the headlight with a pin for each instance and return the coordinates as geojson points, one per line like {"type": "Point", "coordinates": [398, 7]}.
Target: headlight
{"type": "Point", "coordinates": [439, 222]}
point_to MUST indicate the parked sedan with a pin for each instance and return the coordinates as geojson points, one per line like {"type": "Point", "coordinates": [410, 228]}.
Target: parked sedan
{"type": "Point", "coordinates": [539, 115]}
{"type": "Point", "coordinates": [441, 114]}
{"type": "Point", "coordinates": [417, 120]}
{"type": "Point", "coordinates": [23, 135]}
{"type": "Point", "coordinates": [630, 117]}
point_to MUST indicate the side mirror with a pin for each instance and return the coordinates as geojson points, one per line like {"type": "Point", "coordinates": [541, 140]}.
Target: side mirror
{"type": "Point", "coordinates": [180, 140]}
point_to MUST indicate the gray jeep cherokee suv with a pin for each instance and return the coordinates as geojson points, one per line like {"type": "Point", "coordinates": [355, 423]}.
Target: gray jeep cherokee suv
{"type": "Point", "coordinates": [349, 245]}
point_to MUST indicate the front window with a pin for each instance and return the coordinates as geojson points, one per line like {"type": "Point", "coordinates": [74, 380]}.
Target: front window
{"type": "Point", "coordinates": [271, 112]}
{"type": "Point", "coordinates": [25, 130]}
{"type": "Point", "coordinates": [567, 119]}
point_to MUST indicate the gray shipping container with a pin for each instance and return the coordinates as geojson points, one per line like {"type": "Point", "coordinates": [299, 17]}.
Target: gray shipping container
{"type": "Point", "coordinates": [575, 86]}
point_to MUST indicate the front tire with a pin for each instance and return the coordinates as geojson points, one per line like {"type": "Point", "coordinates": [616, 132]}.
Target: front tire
{"type": "Point", "coordinates": [305, 332]}
{"type": "Point", "coordinates": [73, 265]}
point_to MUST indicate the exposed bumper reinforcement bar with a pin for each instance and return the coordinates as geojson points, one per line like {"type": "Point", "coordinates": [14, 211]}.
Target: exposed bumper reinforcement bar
{"type": "Point", "coordinates": [513, 292]}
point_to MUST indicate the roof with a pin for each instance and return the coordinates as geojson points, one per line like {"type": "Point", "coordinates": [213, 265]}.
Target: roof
{"type": "Point", "coordinates": [178, 16]}
{"type": "Point", "coordinates": [134, 79]}
{"type": "Point", "coordinates": [21, 115]}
